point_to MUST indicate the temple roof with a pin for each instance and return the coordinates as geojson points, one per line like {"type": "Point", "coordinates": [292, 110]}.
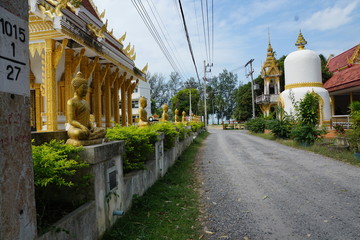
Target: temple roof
{"type": "Point", "coordinates": [341, 60]}
{"type": "Point", "coordinates": [270, 66]}
{"type": "Point", "coordinates": [347, 78]}
{"type": "Point", "coordinates": [89, 5]}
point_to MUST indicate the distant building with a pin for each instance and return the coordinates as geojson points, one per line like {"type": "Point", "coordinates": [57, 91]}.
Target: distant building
{"type": "Point", "coordinates": [271, 75]}
{"type": "Point", "coordinates": [344, 85]}
{"type": "Point", "coordinates": [142, 89]}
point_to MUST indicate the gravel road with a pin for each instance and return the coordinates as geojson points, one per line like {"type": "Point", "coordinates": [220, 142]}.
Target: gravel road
{"type": "Point", "coordinates": [258, 189]}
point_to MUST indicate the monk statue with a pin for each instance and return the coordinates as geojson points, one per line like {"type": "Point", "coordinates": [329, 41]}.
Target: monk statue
{"type": "Point", "coordinates": [142, 112]}
{"type": "Point", "coordinates": [165, 116]}
{"type": "Point", "coordinates": [183, 119]}
{"type": "Point", "coordinates": [176, 116]}
{"type": "Point", "coordinates": [81, 130]}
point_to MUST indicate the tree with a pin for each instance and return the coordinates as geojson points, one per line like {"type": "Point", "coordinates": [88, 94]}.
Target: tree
{"type": "Point", "coordinates": [243, 101]}
{"type": "Point", "coordinates": [220, 92]}
{"type": "Point", "coordinates": [191, 83]}
{"type": "Point", "coordinates": [158, 92]}
{"type": "Point", "coordinates": [181, 101]}
{"type": "Point", "coordinates": [325, 73]}
{"type": "Point", "coordinates": [174, 84]}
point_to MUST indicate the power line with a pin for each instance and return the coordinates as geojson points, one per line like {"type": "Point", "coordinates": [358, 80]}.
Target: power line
{"type": "Point", "coordinates": [161, 26]}
{"type": "Point", "coordinates": [212, 26]}
{"type": "Point", "coordinates": [188, 39]}
{"type": "Point", "coordinates": [155, 34]}
{"type": "Point", "coordinates": [204, 28]}
{"type": "Point", "coordinates": [208, 29]}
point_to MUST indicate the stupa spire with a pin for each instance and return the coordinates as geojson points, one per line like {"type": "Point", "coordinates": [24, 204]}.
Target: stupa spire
{"type": "Point", "coordinates": [300, 42]}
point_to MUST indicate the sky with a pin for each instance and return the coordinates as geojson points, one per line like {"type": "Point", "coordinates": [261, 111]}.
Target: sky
{"type": "Point", "coordinates": [241, 31]}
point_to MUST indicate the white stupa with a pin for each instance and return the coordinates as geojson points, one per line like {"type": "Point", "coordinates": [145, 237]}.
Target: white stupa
{"type": "Point", "coordinates": [303, 75]}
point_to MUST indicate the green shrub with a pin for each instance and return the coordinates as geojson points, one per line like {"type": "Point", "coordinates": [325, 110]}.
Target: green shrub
{"type": "Point", "coordinates": [280, 128]}
{"type": "Point", "coordinates": [307, 134]}
{"type": "Point", "coordinates": [183, 131]}
{"type": "Point", "coordinates": [170, 131]}
{"type": "Point", "coordinates": [61, 181]}
{"type": "Point", "coordinates": [339, 129]}
{"type": "Point", "coordinates": [195, 126]}
{"type": "Point", "coordinates": [256, 125]}
{"type": "Point", "coordinates": [139, 144]}
{"type": "Point", "coordinates": [55, 162]}
{"type": "Point", "coordinates": [308, 110]}
{"type": "Point", "coordinates": [355, 114]}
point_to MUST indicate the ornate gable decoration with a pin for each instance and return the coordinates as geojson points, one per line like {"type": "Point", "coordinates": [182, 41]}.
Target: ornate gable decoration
{"type": "Point", "coordinates": [270, 67]}
{"type": "Point", "coordinates": [355, 58]}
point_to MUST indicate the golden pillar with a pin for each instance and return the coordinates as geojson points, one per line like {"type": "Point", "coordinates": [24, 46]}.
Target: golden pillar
{"type": "Point", "coordinates": [97, 95]}
{"type": "Point", "coordinates": [50, 86]}
{"type": "Point", "coordinates": [129, 106]}
{"type": "Point", "coordinates": [71, 64]}
{"type": "Point", "coordinates": [123, 104]}
{"type": "Point", "coordinates": [52, 57]}
{"type": "Point", "coordinates": [107, 103]}
{"type": "Point", "coordinates": [116, 103]}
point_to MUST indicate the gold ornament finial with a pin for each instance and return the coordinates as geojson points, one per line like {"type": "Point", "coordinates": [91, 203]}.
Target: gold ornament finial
{"type": "Point", "coordinates": [122, 38]}
{"type": "Point", "coordinates": [144, 70]}
{"type": "Point", "coordinates": [300, 42]}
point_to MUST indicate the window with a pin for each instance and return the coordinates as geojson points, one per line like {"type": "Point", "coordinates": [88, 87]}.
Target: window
{"type": "Point", "coordinates": [135, 104]}
{"type": "Point", "coordinates": [136, 89]}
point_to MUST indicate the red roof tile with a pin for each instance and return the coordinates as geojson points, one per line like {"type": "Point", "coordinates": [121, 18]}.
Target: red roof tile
{"type": "Point", "coordinates": [340, 60]}
{"type": "Point", "coordinates": [347, 78]}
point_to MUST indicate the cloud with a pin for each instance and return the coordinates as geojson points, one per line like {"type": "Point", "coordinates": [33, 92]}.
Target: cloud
{"type": "Point", "coordinates": [330, 18]}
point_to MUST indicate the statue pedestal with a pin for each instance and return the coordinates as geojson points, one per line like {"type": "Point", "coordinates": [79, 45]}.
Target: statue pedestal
{"type": "Point", "coordinates": [78, 143]}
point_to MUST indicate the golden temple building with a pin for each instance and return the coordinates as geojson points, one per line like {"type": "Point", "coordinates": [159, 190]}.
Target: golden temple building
{"type": "Point", "coordinates": [67, 36]}
{"type": "Point", "coordinates": [271, 75]}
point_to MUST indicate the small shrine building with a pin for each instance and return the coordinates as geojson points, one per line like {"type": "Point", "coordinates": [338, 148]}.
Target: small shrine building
{"type": "Point", "coordinates": [67, 36]}
{"type": "Point", "coordinates": [271, 74]}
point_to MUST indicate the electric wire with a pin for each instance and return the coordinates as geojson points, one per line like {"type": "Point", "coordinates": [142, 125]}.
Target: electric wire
{"type": "Point", "coordinates": [204, 28]}
{"type": "Point", "coordinates": [153, 31]}
{"type": "Point", "coordinates": [212, 27]}
{"type": "Point", "coordinates": [208, 29]}
{"type": "Point", "coordinates": [188, 39]}
{"type": "Point", "coordinates": [197, 29]}
{"type": "Point", "coordinates": [157, 34]}
{"type": "Point", "coordinates": [165, 34]}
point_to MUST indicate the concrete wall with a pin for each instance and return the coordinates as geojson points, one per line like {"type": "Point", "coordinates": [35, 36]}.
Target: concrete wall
{"type": "Point", "coordinates": [92, 219]}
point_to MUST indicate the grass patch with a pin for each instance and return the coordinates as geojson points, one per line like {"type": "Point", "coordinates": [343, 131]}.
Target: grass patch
{"type": "Point", "coordinates": [169, 209]}
{"type": "Point", "coordinates": [323, 147]}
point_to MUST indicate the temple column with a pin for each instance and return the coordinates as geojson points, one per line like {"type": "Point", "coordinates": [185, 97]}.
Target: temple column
{"type": "Point", "coordinates": [107, 102]}
{"type": "Point", "coordinates": [52, 57]}
{"type": "Point", "coordinates": [130, 90]}
{"type": "Point", "coordinates": [50, 86]}
{"type": "Point", "coordinates": [123, 104]}
{"type": "Point", "coordinates": [129, 107]}
{"type": "Point", "coordinates": [117, 85]}
{"type": "Point", "coordinates": [71, 64]}
{"type": "Point", "coordinates": [116, 103]}
{"type": "Point", "coordinates": [97, 95]}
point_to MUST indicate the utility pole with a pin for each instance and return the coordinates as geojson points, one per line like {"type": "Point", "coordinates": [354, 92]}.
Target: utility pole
{"type": "Point", "coordinates": [190, 104]}
{"type": "Point", "coordinates": [205, 70]}
{"type": "Point", "coordinates": [252, 85]}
